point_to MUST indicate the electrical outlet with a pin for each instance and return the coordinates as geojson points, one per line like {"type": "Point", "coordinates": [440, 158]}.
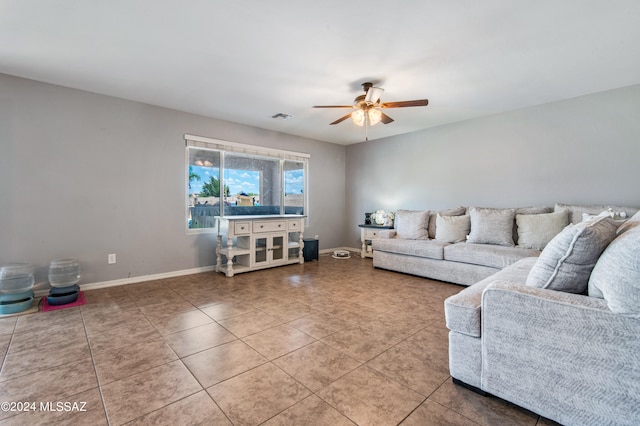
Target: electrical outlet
{"type": "Point", "coordinates": [112, 258]}
{"type": "Point", "coordinates": [317, 238]}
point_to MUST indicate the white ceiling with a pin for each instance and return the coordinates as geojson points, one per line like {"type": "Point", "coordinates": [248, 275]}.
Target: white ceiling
{"type": "Point", "coordinates": [246, 60]}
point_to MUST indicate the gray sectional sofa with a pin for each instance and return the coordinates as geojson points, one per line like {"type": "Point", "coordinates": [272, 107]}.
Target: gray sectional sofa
{"type": "Point", "coordinates": [557, 333]}
{"type": "Point", "coordinates": [451, 259]}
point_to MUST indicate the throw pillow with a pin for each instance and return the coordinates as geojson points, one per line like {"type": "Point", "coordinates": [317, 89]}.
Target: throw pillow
{"type": "Point", "coordinates": [536, 230]}
{"type": "Point", "coordinates": [629, 224]}
{"type": "Point", "coordinates": [528, 210]}
{"type": "Point", "coordinates": [575, 212]}
{"type": "Point", "coordinates": [457, 211]}
{"type": "Point", "coordinates": [567, 261]}
{"type": "Point", "coordinates": [492, 226]}
{"type": "Point", "coordinates": [452, 229]}
{"type": "Point", "coordinates": [412, 224]}
{"type": "Point", "coordinates": [616, 276]}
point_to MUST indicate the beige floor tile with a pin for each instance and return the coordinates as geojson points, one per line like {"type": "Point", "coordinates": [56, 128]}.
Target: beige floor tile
{"type": "Point", "coordinates": [257, 395]}
{"type": "Point", "coordinates": [180, 321]}
{"type": "Point", "coordinates": [33, 360]}
{"type": "Point", "coordinates": [84, 408]}
{"type": "Point", "coordinates": [5, 339]}
{"type": "Point", "coordinates": [369, 398]}
{"type": "Point", "coordinates": [392, 321]}
{"type": "Point", "coordinates": [101, 321]}
{"type": "Point", "coordinates": [223, 362]}
{"type": "Point", "coordinates": [116, 364]}
{"type": "Point", "coordinates": [485, 410]}
{"type": "Point", "coordinates": [197, 339]}
{"type": "Point", "coordinates": [123, 336]}
{"type": "Point", "coordinates": [225, 310]}
{"type": "Point", "coordinates": [197, 409]}
{"type": "Point", "coordinates": [278, 341]}
{"type": "Point", "coordinates": [362, 342]}
{"type": "Point", "coordinates": [310, 411]}
{"type": "Point", "coordinates": [317, 365]}
{"type": "Point", "coordinates": [40, 338]}
{"type": "Point", "coordinates": [54, 321]}
{"type": "Point", "coordinates": [319, 324]}
{"type": "Point", "coordinates": [288, 311]}
{"type": "Point", "coordinates": [433, 345]}
{"type": "Point", "coordinates": [140, 394]}
{"type": "Point", "coordinates": [249, 323]}
{"type": "Point", "coordinates": [406, 364]}
{"type": "Point", "coordinates": [54, 384]}
{"type": "Point", "coordinates": [7, 325]}
{"type": "Point", "coordinates": [164, 310]}
{"type": "Point", "coordinates": [433, 414]}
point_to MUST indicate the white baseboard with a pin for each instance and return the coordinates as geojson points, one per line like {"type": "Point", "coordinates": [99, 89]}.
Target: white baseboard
{"type": "Point", "coordinates": [133, 280]}
{"type": "Point", "coordinates": [172, 274]}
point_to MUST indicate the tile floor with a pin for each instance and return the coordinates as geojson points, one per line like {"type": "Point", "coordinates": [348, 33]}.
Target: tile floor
{"type": "Point", "coordinates": [333, 342]}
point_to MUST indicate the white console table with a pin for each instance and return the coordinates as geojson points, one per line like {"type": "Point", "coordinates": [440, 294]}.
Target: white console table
{"type": "Point", "coordinates": [368, 233]}
{"type": "Point", "coordinates": [249, 243]}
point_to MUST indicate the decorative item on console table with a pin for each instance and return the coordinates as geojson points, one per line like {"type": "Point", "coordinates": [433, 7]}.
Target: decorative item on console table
{"type": "Point", "coordinates": [380, 217]}
{"type": "Point", "coordinates": [367, 234]}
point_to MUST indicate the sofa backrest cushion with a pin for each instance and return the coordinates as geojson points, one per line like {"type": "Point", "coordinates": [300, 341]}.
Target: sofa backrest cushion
{"type": "Point", "coordinates": [412, 224]}
{"type": "Point", "coordinates": [536, 230]}
{"type": "Point", "coordinates": [567, 261]}
{"type": "Point", "coordinates": [576, 212]}
{"type": "Point", "coordinates": [633, 222]}
{"type": "Point", "coordinates": [456, 211]}
{"type": "Point", "coordinates": [492, 226]}
{"type": "Point", "coordinates": [616, 276]}
{"type": "Point", "coordinates": [528, 210]}
{"type": "Point", "coordinates": [452, 229]}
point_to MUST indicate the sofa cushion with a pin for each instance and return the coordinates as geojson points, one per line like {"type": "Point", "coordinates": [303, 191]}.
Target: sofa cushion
{"type": "Point", "coordinates": [452, 229]}
{"type": "Point", "coordinates": [633, 222]}
{"type": "Point", "coordinates": [462, 310]}
{"type": "Point", "coordinates": [457, 211]}
{"type": "Point", "coordinates": [492, 226]}
{"type": "Point", "coordinates": [486, 255]}
{"type": "Point", "coordinates": [432, 249]}
{"type": "Point", "coordinates": [536, 230]}
{"type": "Point", "coordinates": [576, 212]}
{"type": "Point", "coordinates": [528, 210]}
{"type": "Point", "coordinates": [567, 261]}
{"type": "Point", "coordinates": [412, 224]}
{"type": "Point", "coordinates": [616, 276]}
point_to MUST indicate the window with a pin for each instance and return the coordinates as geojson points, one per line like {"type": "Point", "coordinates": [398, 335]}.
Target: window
{"type": "Point", "coordinates": [226, 178]}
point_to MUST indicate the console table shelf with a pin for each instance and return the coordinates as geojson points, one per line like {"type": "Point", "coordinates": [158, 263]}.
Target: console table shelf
{"type": "Point", "coordinates": [249, 243]}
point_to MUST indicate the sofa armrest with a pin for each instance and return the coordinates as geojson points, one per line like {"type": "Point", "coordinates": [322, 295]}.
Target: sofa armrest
{"type": "Point", "coordinates": [387, 233]}
{"type": "Point", "coordinates": [564, 356]}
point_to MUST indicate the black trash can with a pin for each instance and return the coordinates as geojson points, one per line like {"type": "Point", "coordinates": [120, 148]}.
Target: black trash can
{"type": "Point", "coordinates": [310, 250]}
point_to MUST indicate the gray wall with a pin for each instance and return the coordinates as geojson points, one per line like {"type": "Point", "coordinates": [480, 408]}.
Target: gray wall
{"type": "Point", "coordinates": [84, 175]}
{"type": "Point", "coordinates": [583, 150]}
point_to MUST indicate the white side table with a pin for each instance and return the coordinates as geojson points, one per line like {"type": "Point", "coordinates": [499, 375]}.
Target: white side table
{"type": "Point", "coordinates": [368, 233]}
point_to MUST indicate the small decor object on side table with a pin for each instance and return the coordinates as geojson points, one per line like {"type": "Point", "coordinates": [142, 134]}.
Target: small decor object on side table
{"type": "Point", "coordinates": [367, 218]}
{"type": "Point", "coordinates": [382, 218]}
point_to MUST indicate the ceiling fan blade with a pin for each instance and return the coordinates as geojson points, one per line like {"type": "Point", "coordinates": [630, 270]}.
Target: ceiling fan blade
{"type": "Point", "coordinates": [341, 119]}
{"type": "Point", "coordinates": [333, 106]}
{"type": "Point", "coordinates": [402, 104]}
{"type": "Point", "coordinates": [385, 119]}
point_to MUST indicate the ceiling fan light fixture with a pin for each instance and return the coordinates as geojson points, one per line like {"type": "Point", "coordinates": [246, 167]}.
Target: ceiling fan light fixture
{"type": "Point", "coordinates": [358, 117]}
{"type": "Point", "coordinates": [374, 116]}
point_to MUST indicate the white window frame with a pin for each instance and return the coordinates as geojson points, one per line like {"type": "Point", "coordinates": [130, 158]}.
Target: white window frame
{"type": "Point", "coordinates": [193, 141]}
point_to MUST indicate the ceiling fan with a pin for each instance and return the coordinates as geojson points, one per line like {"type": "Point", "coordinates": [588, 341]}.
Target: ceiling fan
{"type": "Point", "coordinates": [366, 108]}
